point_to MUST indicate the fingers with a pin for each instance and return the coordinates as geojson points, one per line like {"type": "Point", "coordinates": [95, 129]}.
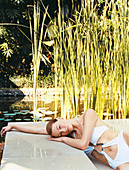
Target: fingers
{"type": "Point", "coordinates": [49, 138]}
{"type": "Point", "coordinates": [54, 139]}
{"type": "Point", "coordinates": [3, 131]}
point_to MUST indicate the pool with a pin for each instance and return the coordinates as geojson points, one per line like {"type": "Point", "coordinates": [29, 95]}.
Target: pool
{"type": "Point", "coordinates": [18, 109]}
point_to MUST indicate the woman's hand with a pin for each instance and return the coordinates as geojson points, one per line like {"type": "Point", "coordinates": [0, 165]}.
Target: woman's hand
{"type": "Point", "coordinates": [60, 139]}
{"type": "Point", "coordinates": [5, 129]}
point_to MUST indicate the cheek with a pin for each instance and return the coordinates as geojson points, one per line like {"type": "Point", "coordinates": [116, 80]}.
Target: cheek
{"type": "Point", "coordinates": [54, 131]}
{"type": "Point", "coordinates": [55, 134]}
{"type": "Point", "coordinates": [71, 128]}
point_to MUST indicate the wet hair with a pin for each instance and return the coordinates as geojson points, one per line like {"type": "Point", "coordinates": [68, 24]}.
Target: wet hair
{"type": "Point", "coordinates": [49, 126]}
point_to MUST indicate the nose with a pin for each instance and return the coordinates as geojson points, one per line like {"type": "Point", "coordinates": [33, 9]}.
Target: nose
{"type": "Point", "coordinates": [63, 129]}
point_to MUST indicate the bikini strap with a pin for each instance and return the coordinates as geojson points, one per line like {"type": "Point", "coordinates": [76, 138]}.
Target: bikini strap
{"type": "Point", "coordinates": [78, 120]}
{"type": "Point", "coordinates": [100, 144]}
{"type": "Point", "coordinates": [100, 153]}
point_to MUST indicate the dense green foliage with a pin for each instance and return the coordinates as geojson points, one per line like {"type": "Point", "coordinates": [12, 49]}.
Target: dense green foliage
{"type": "Point", "coordinates": [15, 48]}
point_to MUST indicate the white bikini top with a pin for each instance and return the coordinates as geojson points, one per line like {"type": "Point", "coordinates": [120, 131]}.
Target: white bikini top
{"type": "Point", "coordinates": [97, 132]}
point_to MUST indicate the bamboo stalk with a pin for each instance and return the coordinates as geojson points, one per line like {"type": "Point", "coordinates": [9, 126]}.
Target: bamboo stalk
{"type": "Point", "coordinates": [93, 55]}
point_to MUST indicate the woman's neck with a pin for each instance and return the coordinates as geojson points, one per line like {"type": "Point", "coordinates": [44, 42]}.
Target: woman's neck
{"type": "Point", "coordinates": [75, 124]}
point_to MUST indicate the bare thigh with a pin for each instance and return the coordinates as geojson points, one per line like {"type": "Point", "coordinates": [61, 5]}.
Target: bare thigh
{"type": "Point", "coordinates": [123, 167]}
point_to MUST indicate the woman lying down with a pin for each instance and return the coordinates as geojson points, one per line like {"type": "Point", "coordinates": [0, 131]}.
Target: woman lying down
{"type": "Point", "coordinates": [89, 133]}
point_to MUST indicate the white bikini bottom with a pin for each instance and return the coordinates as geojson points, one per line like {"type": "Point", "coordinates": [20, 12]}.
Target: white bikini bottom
{"type": "Point", "coordinates": [122, 151]}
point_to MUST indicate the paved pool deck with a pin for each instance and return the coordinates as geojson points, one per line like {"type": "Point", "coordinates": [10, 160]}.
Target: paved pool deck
{"type": "Point", "coordinates": [23, 151]}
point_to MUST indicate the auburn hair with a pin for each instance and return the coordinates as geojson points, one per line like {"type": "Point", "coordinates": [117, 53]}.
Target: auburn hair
{"type": "Point", "coordinates": [49, 126]}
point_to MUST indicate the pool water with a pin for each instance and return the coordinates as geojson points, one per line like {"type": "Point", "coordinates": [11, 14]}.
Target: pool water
{"type": "Point", "coordinates": [14, 116]}
{"type": "Point", "coordinates": [18, 109]}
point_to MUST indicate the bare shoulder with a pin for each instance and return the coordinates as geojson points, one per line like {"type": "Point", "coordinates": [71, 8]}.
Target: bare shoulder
{"type": "Point", "coordinates": [94, 115]}
{"type": "Point", "coordinates": [90, 113]}
{"type": "Point", "coordinates": [89, 117]}
{"type": "Point", "coordinates": [126, 136]}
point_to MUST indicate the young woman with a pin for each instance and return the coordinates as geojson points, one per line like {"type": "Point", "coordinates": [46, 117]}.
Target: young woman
{"type": "Point", "coordinates": [86, 132]}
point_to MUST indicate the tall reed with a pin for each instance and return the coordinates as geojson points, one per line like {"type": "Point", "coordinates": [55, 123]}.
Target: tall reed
{"type": "Point", "coordinates": [91, 53]}
{"type": "Point", "coordinates": [37, 33]}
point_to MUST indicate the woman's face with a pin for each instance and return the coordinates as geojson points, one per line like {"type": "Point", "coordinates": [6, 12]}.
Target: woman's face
{"type": "Point", "coordinates": [61, 128]}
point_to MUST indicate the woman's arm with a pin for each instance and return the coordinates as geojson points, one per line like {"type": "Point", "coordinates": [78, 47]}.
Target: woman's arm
{"type": "Point", "coordinates": [76, 143]}
{"type": "Point", "coordinates": [89, 121]}
{"type": "Point", "coordinates": [25, 128]}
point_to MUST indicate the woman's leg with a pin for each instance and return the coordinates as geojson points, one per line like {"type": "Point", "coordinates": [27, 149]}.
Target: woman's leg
{"type": "Point", "coordinates": [123, 167]}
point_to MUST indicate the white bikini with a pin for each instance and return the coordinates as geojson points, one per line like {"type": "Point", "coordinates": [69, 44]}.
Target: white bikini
{"type": "Point", "coordinates": [123, 149]}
